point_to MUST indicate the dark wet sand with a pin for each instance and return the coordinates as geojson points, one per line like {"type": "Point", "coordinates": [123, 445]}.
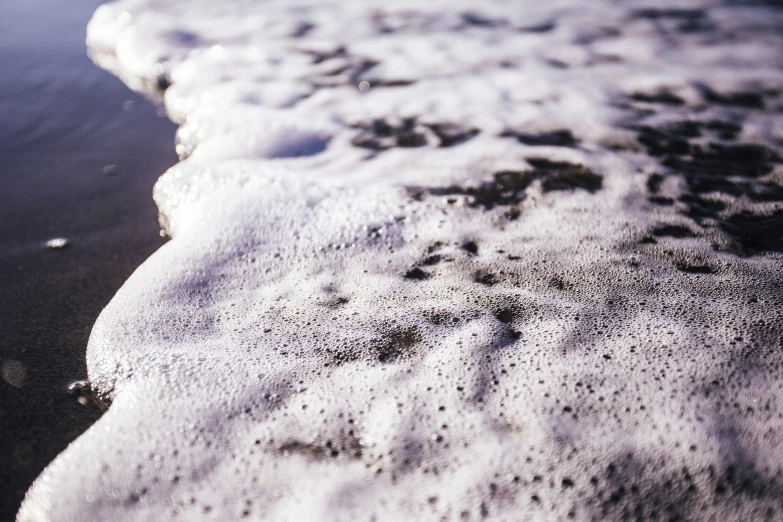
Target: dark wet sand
{"type": "Point", "coordinates": [64, 121]}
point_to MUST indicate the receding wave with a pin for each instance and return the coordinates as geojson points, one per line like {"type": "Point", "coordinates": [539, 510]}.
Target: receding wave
{"type": "Point", "coordinates": [446, 261]}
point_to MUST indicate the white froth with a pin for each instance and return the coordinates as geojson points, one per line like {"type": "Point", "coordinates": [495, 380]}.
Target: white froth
{"type": "Point", "coordinates": [457, 292]}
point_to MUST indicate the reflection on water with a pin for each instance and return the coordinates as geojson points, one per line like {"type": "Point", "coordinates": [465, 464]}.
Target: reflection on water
{"type": "Point", "coordinates": [47, 87]}
{"type": "Point", "coordinates": [78, 156]}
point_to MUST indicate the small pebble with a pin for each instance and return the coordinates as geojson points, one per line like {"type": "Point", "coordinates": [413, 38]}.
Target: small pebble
{"type": "Point", "coordinates": [57, 243]}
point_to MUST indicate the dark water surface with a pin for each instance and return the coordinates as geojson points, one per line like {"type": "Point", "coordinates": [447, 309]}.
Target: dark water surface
{"type": "Point", "coordinates": [62, 122]}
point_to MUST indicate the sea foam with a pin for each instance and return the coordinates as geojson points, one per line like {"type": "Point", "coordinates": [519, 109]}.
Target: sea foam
{"type": "Point", "coordinates": [533, 272]}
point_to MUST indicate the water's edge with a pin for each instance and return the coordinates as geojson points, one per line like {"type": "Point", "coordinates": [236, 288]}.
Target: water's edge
{"type": "Point", "coordinates": [80, 154]}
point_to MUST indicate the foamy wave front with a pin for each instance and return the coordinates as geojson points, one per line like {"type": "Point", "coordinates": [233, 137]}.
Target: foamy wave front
{"type": "Point", "coordinates": [453, 261]}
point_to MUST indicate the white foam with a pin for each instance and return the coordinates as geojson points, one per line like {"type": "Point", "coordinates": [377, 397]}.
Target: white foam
{"type": "Point", "coordinates": [347, 328]}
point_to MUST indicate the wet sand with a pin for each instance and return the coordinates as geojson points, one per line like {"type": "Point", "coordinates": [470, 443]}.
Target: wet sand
{"type": "Point", "coordinates": [79, 154]}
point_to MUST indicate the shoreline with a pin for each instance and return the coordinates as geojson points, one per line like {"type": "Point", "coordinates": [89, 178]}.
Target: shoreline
{"type": "Point", "coordinates": [80, 158]}
{"type": "Point", "coordinates": [335, 316]}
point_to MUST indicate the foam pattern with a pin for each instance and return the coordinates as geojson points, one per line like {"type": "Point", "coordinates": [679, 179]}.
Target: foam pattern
{"type": "Point", "coordinates": [530, 270]}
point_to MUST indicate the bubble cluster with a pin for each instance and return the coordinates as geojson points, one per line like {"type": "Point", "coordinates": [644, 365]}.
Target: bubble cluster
{"type": "Point", "coordinates": [532, 273]}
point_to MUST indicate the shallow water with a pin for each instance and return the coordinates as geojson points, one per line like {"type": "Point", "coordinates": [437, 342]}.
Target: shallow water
{"type": "Point", "coordinates": [64, 123]}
